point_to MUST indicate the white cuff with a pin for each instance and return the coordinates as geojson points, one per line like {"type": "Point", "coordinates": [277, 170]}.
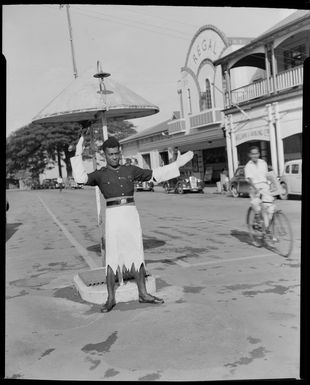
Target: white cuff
{"type": "Point", "coordinates": [78, 170]}
{"type": "Point", "coordinates": [170, 171]}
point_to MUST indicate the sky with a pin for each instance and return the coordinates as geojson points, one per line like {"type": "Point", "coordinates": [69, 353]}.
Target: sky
{"type": "Point", "coordinates": [143, 47]}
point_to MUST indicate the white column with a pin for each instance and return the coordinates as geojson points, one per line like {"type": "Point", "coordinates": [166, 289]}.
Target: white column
{"type": "Point", "coordinates": [170, 154]}
{"type": "Point", "coordinates": [273, 144]}
{"type": "Point", "coordinates": [228, 148]}
{"type": "Point", "coordinates": [267, 65]}
{"type": "Point", "coordinates": [233, 143]}
{"type": "Point", "coordinates": [279, 137]}
{"type": "Point", "coordinates": [274, 69]}
{"type": "Point", "coordinates": [140, 160]}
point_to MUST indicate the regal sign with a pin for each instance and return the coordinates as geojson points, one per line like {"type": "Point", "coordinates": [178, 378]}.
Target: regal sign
{"type": "Point", "coordinates": [207, 45]}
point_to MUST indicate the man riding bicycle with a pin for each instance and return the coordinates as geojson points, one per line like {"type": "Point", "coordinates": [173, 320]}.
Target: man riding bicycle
{"type": "Point", "coordinates": [256, 171]}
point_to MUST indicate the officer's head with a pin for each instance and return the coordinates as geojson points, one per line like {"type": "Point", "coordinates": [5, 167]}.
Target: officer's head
{"type": "Point", "coordinates": [254, 153]}
{"type": "Point", "coordinates": [111, 149]}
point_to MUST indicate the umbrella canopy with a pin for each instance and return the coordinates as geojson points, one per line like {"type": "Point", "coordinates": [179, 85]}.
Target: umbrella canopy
{"type": "Point", "coordinates": [82, 100]}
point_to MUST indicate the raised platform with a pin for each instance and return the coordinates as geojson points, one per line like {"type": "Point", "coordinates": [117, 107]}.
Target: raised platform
{"type": "Point", "coordinates": [92, 287]}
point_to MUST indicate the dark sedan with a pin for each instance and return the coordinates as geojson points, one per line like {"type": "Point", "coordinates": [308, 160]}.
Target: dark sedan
{"type": "Point", "coordinates": [184, 184]}
{"type": "Point", "coordinates": [144, 186]}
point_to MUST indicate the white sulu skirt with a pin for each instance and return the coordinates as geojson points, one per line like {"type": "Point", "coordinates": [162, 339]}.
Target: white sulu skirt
{"type": "Point", "coordinates": [123, 238]}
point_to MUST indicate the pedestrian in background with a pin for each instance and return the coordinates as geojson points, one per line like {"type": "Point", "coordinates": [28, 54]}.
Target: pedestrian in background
{"type": "Point", "coordinates": [60, 183]}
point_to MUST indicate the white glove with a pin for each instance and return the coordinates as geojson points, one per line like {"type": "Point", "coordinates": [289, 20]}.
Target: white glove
{"type": "Point", "coordinates": [79, 147]}
{"type": "Point", "coordinates": [78, 171]}
{"type": "Point", "coordinates": [183, 159]}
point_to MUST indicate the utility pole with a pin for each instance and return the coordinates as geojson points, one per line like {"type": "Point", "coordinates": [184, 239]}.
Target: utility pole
{"type": "Point", "coordinates": [71, 39]}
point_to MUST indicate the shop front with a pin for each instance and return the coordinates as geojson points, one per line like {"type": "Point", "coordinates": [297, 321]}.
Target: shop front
{"type": "Point", "coordinates": [264, 149]}
{"type": "Point", "coordinates": [214, 162]}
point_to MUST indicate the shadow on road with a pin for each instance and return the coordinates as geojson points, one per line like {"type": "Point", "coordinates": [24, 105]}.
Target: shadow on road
{"type": "Point", "coordinates": [242, 236]}
{"type": "Point", "coordinates": [11, 228]}
{"type": "Point", "coordinates": [148, 243]}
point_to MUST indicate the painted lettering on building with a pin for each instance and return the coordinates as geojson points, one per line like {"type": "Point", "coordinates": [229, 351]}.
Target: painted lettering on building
{"type": "Point", "coordinates": [207, 45]}
{"type": "Point", "coordinates": [254, 134]}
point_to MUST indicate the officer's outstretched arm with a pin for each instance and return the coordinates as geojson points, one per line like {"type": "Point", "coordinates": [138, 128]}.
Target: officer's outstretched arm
{"type": "Point", "coordinates": [78, 171]}
{"type": "Point", "coordinates": [170, 171]}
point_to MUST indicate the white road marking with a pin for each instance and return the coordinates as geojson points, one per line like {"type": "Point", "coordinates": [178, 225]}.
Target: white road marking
{"type": "Point", "coordinates": [81, 250]}
{"type": "Point", "coordinates": [220, 261]}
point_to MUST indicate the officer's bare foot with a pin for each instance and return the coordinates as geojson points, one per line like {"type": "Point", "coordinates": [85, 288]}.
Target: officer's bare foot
{"type": "Point", "coordinates": [148, 298]}
{"type": "Point", "coordinates": [108, 306]}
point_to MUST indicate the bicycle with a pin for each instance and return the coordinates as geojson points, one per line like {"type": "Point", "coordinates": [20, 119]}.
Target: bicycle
{"type": "Point", "coordinates": [279, 238]}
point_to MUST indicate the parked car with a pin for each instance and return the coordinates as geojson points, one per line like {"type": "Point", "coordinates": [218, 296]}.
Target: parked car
{"type": "Point", "coordinates": [144, 186]}
{"type": "Point", "coordinates": [71, 183]}
{"type": "Point", "coordinates": [238, 184]}
{"type": "Point", "coordinates": [48, 184]}
{"type": "Point", "coordinates": [184, 184]}
{"type": "Point", "coordinates": [35, 185]}
{"type": "Point", "coordinates": [290, 180]}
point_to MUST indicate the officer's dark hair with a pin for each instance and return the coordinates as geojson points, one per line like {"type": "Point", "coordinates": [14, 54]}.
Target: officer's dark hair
{"type": "Point", "coordinates": [253, 148]}
{"type": "Point", "coordinates": [111, 142]}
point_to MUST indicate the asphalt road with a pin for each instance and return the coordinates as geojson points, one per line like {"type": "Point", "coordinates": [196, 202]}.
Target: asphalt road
{"type": "Point", "coordinates": [231, 310]}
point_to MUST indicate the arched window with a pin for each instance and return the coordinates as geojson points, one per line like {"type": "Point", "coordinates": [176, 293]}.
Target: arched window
{"type": "Point", "coordinates": [189, 100]}
{"type": "Point", "coordinates": [208, 94]}
{"type": "Point", "coordinates": [205, 97]}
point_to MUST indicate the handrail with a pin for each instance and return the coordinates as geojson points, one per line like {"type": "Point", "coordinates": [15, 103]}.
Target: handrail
{"type": "Point", "coordinates": [283, 80]}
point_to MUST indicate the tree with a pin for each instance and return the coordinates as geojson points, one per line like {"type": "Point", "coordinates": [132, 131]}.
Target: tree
{"type": "Point", "coordinates": [34, 146]}
{"type": "Point", "coordinates": [59, 141]}
{"type": "Point", "coordinates": [24, 152]}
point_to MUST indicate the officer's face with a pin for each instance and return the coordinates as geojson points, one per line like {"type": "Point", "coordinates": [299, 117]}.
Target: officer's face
{"type": "Point", "coordinates": [113, 156]}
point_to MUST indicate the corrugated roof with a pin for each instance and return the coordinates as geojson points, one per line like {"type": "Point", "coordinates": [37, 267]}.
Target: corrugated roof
{"type": "Point", "coordinates": [163, 126]}
{"type": "Point", "coordinates": [289, 19]}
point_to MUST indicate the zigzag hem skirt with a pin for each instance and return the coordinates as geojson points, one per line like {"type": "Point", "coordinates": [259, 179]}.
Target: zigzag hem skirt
{"type": "Point", "coordinates": [123, 238]}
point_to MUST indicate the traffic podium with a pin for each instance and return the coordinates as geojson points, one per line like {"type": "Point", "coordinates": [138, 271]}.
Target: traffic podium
{"type": "Point", "coordinates": [91, 285]}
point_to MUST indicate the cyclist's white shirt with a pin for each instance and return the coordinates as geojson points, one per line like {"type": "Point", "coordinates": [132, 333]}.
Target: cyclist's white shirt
{"type": "Point", "coordinates": [257, 172]}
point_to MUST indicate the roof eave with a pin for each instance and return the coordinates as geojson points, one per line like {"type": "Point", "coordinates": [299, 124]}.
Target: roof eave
{"type": "Point", "coordinates": [267, 37]}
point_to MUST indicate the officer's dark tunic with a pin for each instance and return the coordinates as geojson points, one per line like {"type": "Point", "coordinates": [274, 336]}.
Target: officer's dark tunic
{"type": "Point", "coordinates": [123, 234]}
{"type": "Point", "coordinates": [120, 182]}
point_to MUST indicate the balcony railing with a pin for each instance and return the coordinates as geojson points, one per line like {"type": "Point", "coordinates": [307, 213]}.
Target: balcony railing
{"type": "Point", "coordinates": [289, 78]}
{"type": "Point", "coordinates": [205, 118]}
{"type": "Point", "coordinates": [176, 126]}
{"type": "Point", "coordinates": [283, 80]}
{"type": "Point", "coordinates": [251, 91]}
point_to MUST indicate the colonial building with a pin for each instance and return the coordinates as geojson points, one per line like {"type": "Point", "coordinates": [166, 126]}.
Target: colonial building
{"type": "Point", "coordinates": [267, 111]}
{"type": "Point", "coordinates": [247, 90]}
{"type": "Point", "coordinates": [199, 124]}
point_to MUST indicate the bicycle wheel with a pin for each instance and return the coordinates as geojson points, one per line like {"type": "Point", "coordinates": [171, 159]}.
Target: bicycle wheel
{"type": "Point", "coordinates": [281, 237]}
{"type": "Point", "coordinates": [256, 228]}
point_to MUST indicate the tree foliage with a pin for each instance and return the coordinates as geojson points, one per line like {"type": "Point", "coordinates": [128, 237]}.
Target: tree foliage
{"type": "Point", "coordinates": [35, 146]}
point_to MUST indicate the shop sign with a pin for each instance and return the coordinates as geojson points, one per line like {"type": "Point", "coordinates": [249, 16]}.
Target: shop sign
{"type": "Point", "coordinates": [207, 45]}
{"type": "Point", "coordinates": [254, 134]}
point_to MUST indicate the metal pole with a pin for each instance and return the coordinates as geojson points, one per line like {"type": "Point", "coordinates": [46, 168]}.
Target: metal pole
{"type": "Point", "coordinates": [71, 42]}
{"type": "Point", "coordinates": [98, 204]}
{"type": "Point", "coordinates": [273, 140]}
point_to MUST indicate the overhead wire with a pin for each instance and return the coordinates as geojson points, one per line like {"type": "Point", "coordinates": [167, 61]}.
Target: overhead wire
{"type": "Point", "coordinates": [134, 21]}
{"type": "Point", "coordinates": [105, 16]}
{"type": "Point", "coordinates": [163, 17]}
{"type": "Point", "coordinates": [115, 19]}
{"type": "Point", "coordinates": [140, 25]}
